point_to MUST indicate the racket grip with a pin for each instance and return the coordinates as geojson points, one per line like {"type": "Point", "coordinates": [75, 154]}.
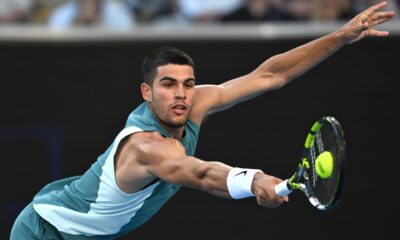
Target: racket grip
{"type": "Point", "coordinates": [282, 189]}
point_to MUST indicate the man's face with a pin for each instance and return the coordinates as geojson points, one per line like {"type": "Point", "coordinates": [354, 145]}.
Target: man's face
{"type": "Point", "coordinates": [172, 94]}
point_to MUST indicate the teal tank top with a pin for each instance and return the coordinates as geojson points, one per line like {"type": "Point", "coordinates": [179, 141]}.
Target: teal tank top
{"type": "Point", "coordinates": [92, 206]}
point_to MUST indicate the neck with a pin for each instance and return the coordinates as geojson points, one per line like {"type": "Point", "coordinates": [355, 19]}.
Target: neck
{"type": "Point", "coordinates": [176, 133]}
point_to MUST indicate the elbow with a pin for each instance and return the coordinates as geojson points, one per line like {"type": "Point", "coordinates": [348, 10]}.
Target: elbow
{"type": "Point", "coordinates": [279, 81]}
{"type": "Point", "coordinates": [212, 178]}
{"type": "Point", "coordinates": [273, 75]}
{"type": "Point", "coordinates": [202, 178]}
{"type": "Point", "coordinates": [273, 81]}
{"type": "Point", "coordinates": [269, 80]}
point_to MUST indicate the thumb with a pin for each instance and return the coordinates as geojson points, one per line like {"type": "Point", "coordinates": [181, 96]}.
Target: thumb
{"type": "Point", "coordinates": [286, 199]}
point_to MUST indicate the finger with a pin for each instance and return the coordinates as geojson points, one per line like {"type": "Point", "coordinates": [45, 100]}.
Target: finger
{"type": "Point", "coordinates": [373, 32]}
{"type": "Point", "coordinates": [278, 201]}
{"type": "Point", "coordinates": [375, 8]}
{"type": "Point", "coordinates": [374, 23]}
{"type": "Point", "coordinates": [270, 205]}
{"type": "Point", "coordinates": [286, 198]}
{"type": "Point", "coordinates": [382, 15]}
{"type": "Point", "coordinates": [273, 203]}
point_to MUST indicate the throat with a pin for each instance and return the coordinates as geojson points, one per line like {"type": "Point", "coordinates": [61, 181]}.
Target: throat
{"type": "Point", "coordinates": [178, 133]}
{"type": "Point", "coordinates": [175, 132]}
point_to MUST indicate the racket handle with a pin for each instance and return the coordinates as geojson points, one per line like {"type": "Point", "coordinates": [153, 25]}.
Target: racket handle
{"type": "Point", "coordinates": [282, 189]}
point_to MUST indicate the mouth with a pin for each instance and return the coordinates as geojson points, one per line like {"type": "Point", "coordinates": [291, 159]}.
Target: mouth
{"type": "Point", "coordinates": [179, 108]}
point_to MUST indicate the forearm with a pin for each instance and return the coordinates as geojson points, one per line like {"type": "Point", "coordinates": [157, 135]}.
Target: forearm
{"type": "Point", "coordinates": [221, 180]}
{"type": "Point", "coordinates": [212, 177]}
{"type": "Point", "coordinates": [224, 181]}
{"type": "Point", "coordinates": [240, 183]}
{"type": "Point", "coordinates": [291, 64]}
{"type": "Point", "coordinates": [215, 178]}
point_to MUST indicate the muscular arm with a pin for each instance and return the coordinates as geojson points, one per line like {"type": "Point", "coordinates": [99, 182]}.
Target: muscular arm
{"type": "Point", "coordinates": [279, 70]}
{"type": "Point", "coordinates": [167, 160]}
{"type": "Point", "coordinates": [146, 156]}
{"type": "Point", "coordinates": [170, 163]}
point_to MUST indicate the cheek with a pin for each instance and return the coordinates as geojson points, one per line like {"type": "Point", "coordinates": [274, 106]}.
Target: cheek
{"type": "Point", "coordinates": [159, 97]}
{"type": "Point", "coordinates": [160, 101]}
{"type": "Point", "coordinates": [191, 96]}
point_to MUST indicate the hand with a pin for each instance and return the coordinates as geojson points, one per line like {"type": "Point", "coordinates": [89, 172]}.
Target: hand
{"type": "Point", "coordinates": [264, 188]}
{"type": "Point", "coordinates": [361, 25]}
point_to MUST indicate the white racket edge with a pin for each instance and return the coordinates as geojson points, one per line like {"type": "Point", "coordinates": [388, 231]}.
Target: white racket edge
{"type": "Point", "coordinates": [282, 189]}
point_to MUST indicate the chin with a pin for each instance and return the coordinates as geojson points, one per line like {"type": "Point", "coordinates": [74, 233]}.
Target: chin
{"type": "Point", "coordinates": [176, 123]}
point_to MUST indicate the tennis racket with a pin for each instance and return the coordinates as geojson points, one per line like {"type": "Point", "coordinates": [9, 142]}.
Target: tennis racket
{"type": "Point", "coordinates": [325, 138]}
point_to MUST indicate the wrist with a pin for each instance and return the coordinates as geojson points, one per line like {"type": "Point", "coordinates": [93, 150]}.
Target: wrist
{"type": "Point", "coordinates": [240, 182]}
{"type": "Point", "coordinates": [256, 180]}
{"type": "Point", "coordinates": [341, 37]}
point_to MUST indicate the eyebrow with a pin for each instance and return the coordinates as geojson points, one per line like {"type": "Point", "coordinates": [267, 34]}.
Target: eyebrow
{"type": "Point", "coordinates": [175, 80]}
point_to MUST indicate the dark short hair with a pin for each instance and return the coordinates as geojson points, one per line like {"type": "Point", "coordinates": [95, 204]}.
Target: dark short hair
{"type": "Point", "coordinates": [163, 56]}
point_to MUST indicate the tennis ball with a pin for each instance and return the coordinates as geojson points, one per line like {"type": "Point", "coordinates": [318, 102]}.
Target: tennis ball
{"type": "Point", "coordinates": [324, 165]}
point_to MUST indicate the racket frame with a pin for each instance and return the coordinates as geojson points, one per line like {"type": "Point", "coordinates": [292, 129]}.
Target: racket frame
{"type": "Point", "coordinates": [298, 179]}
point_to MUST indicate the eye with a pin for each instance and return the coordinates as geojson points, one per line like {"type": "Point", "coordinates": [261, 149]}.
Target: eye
{"type": "Point", "coordinates": [167, 84]}
{"type": "Point", "coordinates": [189, 84]}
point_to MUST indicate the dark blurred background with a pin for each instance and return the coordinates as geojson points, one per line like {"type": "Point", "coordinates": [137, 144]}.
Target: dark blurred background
{"type": "Point", "coordinates": [64, 96]}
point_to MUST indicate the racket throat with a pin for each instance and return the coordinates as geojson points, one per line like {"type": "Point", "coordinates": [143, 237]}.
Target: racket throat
{"type": "Point", "coordinates": [295, 181]}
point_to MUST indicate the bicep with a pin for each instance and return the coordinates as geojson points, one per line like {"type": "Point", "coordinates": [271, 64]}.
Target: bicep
{"type": "Point", "coordinates": [215, 98]}
{"type": "Point", "coordinates": [167, 160]}
{"type": "Point", "coordinates": [211, 99]}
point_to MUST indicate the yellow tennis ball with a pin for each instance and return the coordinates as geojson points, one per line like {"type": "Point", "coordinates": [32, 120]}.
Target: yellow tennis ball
{"type": "Point", "coordinates": [324, 165]}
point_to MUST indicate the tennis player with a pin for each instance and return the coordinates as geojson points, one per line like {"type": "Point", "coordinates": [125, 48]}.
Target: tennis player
{"type": "Point", "coordinates": [152, 157]}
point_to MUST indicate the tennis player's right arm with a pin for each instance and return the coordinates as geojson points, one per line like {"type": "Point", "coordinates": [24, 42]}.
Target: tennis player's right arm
{"type": "Point", "coordinates": [167, 160]}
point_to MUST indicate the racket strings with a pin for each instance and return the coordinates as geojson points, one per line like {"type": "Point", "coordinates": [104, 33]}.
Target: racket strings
{"type": "Point", "coordinates": [314, 153]}
{"type": "Point", "coordinates": [313, 156]}
{"type": "Point", "coordinates": [320, 143]}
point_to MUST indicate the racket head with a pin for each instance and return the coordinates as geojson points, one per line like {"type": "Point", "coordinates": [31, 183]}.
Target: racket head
{"type": "Point", "coordinates": [323, 193]}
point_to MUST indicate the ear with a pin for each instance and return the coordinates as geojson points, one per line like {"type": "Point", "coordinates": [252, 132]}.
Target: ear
{"type": "Point", "coordinates": [146, 92]}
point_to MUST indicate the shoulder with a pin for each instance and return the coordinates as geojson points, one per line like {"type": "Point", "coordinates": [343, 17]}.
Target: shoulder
{"type": "Point", "coordinates": [207, 96]}
{"type": "Point", "coordinates": [207, 89]}
{"type": "Point", "coordinates": [138, 155]}
{"type": "Point", "coordinates": [152, 146]}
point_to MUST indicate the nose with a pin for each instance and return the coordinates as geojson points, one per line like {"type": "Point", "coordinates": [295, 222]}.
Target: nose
{"type": "Point", "coordinates": [180, 92]}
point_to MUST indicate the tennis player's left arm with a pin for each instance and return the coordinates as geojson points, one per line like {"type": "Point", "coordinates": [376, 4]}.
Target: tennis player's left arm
{"type": "Point", "coordinates": [280, 69]}
{"type": "Point", "coordinates": [272, 74]}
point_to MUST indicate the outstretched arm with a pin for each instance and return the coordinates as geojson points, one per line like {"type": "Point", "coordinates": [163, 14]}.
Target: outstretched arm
{"type": "Point", "coordinates": [146, 156]}
{"type": "Point", "coordinates": [279, 70]}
